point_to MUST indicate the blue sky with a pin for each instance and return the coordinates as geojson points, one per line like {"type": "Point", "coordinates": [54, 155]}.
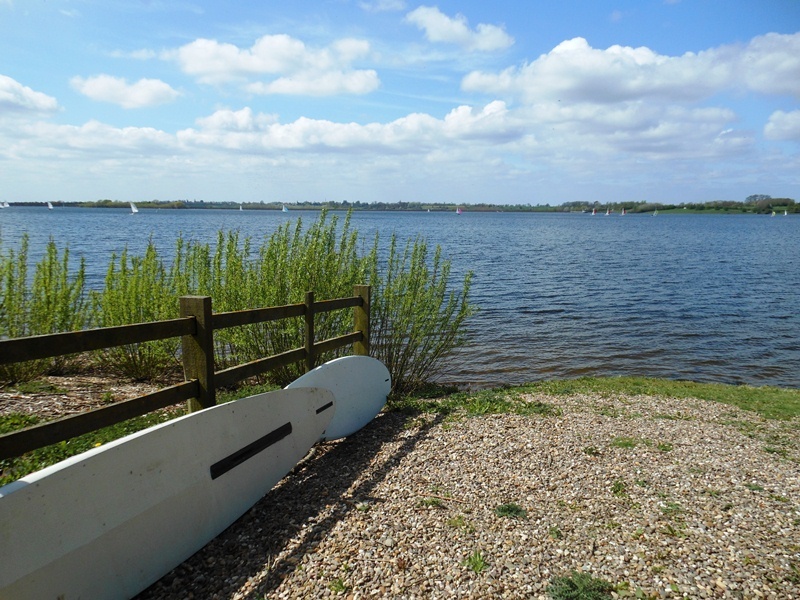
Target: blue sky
{"type": "Point", "coordinates": [505, 102]}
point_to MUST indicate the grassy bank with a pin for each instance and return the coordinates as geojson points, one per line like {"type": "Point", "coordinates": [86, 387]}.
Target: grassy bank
{"type": "Point", "coordinates": [768, 402]}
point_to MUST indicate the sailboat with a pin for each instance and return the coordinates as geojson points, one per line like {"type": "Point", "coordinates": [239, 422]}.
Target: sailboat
{"type": "Point", "coordinates": [655, 212]}
{"type": "Point", "coordinates": [284, 209]}
{"type": "Point", "coordinates": [134, 210]}
{"type": "Point", "coordinates": [240, 207]}
{"type": "Point", "coordinates": [608, 211]}
{"type": "Point", "coordinates": [459, 211]}
{"type": "Point", "coordinates": [623, 211]}
{"type": "Point", "coordinates": [49, 206]}
{"type": "Point", "coordinates": [594, 211]}
{"type": "Point", "coordinates": [785, 212]}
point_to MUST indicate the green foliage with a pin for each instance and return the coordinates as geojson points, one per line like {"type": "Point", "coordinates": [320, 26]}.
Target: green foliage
{"type": "Point", "coordinates": [579, 586]}
{"type": "Point", "coordinates": [476, 561]}
{"type": "Point", "coordinates": [57, 301]}
{"type": "Point", "coordinates": [416, 319]}
{"type": "Point", "coordinates": [137, 290]}
{"type": "Point", "coordinates": [513, 510]}
{"type": "Point", "coordinates": [54, 303]}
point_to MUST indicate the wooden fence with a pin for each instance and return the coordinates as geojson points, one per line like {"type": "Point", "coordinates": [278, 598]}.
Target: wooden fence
{"type": "Point", "coordinates": [196, 327]}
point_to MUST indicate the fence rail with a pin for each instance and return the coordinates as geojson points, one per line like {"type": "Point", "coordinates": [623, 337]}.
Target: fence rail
{"type": "Point", "coordinates": [196, 328]}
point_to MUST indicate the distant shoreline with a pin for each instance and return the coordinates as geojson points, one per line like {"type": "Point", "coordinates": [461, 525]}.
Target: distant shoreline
{"type": "Point", "coordinates": [779, 206]}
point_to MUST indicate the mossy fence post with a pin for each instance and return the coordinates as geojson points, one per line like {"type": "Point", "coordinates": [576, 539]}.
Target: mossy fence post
{"type": "Point", "coordinates": [198, 351]}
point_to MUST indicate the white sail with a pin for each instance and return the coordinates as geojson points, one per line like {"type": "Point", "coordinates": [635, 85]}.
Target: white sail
{"type": "Point", "coordinates": [49, 206]}
{"type": "Point", "coordinates": [134, 210]}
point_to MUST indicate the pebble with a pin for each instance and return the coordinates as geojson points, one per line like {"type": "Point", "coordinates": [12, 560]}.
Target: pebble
{"type": "Point", "coordinates": [406, 509]}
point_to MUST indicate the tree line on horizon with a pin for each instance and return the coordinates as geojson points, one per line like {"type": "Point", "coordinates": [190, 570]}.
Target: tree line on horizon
{"type": "Point", "coordinates": [756, 203]}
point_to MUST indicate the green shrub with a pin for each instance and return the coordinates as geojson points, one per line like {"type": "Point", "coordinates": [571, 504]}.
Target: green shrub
{"type": "Point", "coordinates": [137, 290]}
{"type": "Point", "coordinates": [53, 303]}
{"type": "Point", "coordinates": [416, 319]}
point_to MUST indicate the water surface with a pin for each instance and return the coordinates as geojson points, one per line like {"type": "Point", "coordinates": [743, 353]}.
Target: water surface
{"type": "Point", "coordinates": [701, 297]}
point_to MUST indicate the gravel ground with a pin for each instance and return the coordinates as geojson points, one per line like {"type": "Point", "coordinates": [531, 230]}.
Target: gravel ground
{"type": "Point", "coordinates": [663, 498]}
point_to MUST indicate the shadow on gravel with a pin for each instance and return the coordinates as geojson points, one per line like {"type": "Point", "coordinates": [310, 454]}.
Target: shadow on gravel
{"type": "Point", "coordinates": [290, 514]}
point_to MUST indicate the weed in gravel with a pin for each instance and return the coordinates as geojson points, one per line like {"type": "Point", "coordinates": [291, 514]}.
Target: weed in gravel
{"type": "Point", "coordinates": [619, 489]}
{"type": "Point", "coordinates": [579, 586]}
{"type": "Point", "coordinates": [476, 562]}
{"type": "Point", "coordinates": [338, 586]}
{"type": "Point", "coordinates": [459, 522]}
{"type": "Point", "coordinates": [511, 510]}
{"type": "Point", "coordinates": [624, 442]}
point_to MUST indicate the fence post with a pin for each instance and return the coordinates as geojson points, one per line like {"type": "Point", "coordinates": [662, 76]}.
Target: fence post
{"type": "Point", "coordinates": [309, 331]}
{"type": "Point", "coordinates": [198, 351]}
{"type": "Point", "coordinates": [361, 320]}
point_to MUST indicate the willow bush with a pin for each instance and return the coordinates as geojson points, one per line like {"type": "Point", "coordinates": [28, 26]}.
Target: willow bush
{"type": "Point", "coordinates": [137, 290]}
{"type": "Point", "coordinates": [416, 317]}
{"type": "Point", "coordinates": [53, 302]}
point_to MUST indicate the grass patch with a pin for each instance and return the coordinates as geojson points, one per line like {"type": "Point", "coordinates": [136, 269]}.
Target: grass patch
{"type": "Point", "coordinates": [459, 522]}
{"type": "Point", "coordinates": [476, 562]}
{"type": "Point", "coordinates": [619, 489]}
{"type": "Point", "coordinates": [515, 511]}
{"type": "Point", "coordinates": [474, 404]}
{"type": "Point", "coordinates": [579, 586]}
{"type": "Point", "coordinates": [38, 386]}
{"type": "Point", "coordinates": [770, 402]}
{"type": "Point", "coordinates": [430, 503]}
{"type": "Point", "coordinates": [624, 442]}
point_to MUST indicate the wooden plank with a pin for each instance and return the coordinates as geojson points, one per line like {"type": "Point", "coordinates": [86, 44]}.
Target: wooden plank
{"type": "Point", "coordinates": [18, 442]}
{"type": "Point", "coordinates": [337, 304]}
{"type": "Point", "coordinates": [233, 375]}
{"type": "Point", "coordinates": [257, 315]}
{"type": "Point", "coordinates": [59, 344]}
{"type": "Point", "coordinates": [338, 342]}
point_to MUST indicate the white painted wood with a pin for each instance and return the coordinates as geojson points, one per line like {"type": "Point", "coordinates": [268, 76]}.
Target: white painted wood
{"type": "Point", "coordinates": [360, 385]}
{"type": "Point", "coordinates": [109, 522]}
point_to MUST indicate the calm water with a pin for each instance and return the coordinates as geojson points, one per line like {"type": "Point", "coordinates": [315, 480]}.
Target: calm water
{"type": "Point", "coordinates": [707, 298]}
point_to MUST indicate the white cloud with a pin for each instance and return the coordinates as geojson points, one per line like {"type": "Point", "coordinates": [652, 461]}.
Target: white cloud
{"type": "Point", "coordinates": [17, 98]}
{"type": "Point", "coordinates": [574, 71]}
{"type": "Point", "coordinates": [783, 126]}
{"type": "Point", "coordinates": [297, 68]}
{"type": "Point", "coordinates": [116, 90]}
{"type": "Point", "coordinates": [771, 64]}
{"type": "Point", "coordinates": [438, 27]}
{"type": "Point", "coordinates": [413, 134]}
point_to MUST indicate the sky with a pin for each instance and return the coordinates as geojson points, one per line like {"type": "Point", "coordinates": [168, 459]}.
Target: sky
{"type": "Point", "coordinates": [505, 102]}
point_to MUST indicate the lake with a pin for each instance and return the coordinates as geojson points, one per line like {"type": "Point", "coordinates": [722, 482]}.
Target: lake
{"type": "Point", "coordinates": [699, 297]}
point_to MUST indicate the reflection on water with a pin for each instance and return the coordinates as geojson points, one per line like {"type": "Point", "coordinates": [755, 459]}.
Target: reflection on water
{"type": "Point", "coordinates": [707, 298]}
